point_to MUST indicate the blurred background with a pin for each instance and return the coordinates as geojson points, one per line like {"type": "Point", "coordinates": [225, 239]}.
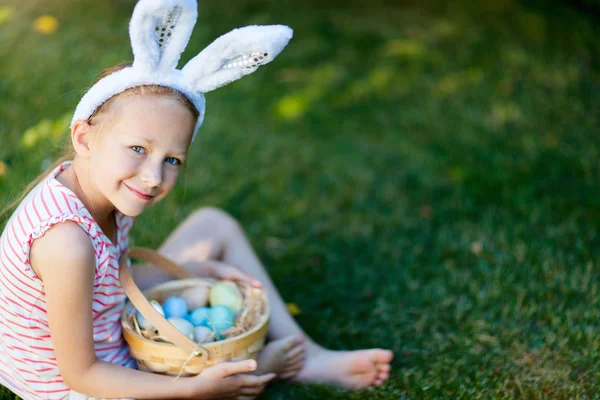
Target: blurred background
{"type": "Point", "coordinates": [417, 175]}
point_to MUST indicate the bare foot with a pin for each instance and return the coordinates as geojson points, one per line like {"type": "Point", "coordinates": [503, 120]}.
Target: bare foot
{"type": "Point", "coordinates": [284, 357]}
{"type": "Point", "coordinates": [351, 370]}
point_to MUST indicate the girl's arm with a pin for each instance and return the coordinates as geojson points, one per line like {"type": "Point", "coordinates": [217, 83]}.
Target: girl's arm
{"type": "Point", "coordinates": [68, 278]}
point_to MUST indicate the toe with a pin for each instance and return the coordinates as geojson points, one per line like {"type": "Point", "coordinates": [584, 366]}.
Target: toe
{"type": "Point", "coordinates": [383, 356]}
{"type": "Point", "coordinates": [291, 371]}
{"type": "Point", "coordinates": [293, 367]}
{"type": "Point", "coordinates": [383, 367]}
{"type": "Point", "coordinates": [300, 360]}
{"type": "Point", "coordinates": [288, 375]}
{"type": "Point", "coordinates": [297, 361]}
{"type": "Point", "coordinates": [382, 376]}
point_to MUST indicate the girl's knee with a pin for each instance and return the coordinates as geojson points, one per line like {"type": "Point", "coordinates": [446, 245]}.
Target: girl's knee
{"type": "Point", "coordinates": [219, 218]}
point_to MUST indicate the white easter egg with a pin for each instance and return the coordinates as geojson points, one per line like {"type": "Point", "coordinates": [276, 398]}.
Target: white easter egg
{"type": "Point", "coordinates": [203, 334]}
{"type": "Point", "coordinates": [142, 321]}
{"type": "Point", "coordinates": [184, 326]}
{"type": "Point", "coordinates": [195, 297]}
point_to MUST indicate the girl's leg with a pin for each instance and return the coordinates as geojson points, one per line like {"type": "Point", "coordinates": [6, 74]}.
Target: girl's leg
{"type": "Point", "coordinates": [205, 235]}
{"type": "Point", "coordinates": [211, 233]}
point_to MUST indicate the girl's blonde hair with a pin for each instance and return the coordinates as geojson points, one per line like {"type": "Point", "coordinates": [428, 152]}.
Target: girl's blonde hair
{"type": "Point", "coordinates": [104, 109]}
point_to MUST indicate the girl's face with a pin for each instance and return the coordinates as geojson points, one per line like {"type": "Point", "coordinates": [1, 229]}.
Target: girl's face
{"type": "Point", "coordinates": [136, 158]}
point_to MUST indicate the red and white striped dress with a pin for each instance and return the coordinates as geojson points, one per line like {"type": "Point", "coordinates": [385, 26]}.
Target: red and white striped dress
{"type": "Point", "coordinates": [28, 364]}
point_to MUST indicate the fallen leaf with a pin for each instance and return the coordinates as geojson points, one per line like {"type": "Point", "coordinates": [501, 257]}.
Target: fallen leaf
{"type": "Point", "coordinates": [5, 14]}
{"type": "Point", "coordinates": [293, 309]}
{"type": "Point", "coordinates": [46, 24]}
{"type": "Point", "coordinates": [476, 248]}
{"type": "Point", "coordinates": [425, 211]}
{"type": "Point", "coordinates": [290, 107]}
{"type": "Point", "coordinates": [404, 48]}
{"type": "Point", "coordinates": [527, 357]}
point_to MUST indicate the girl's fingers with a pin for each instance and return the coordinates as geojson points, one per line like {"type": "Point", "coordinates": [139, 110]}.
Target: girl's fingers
{"type": "Point", "coordinates": [297, 352]}
{"type": "Point", "coordinates": [240, 276]}
{"type": "Point", "coordinates": [253, 381]}
{"type": "Point", "coordinates": [255, 391]}
{"type": "Point", "coordinates": [238, 367]}
{"type": "Point", "coordinates": [226, 271]}
{"type": "Point", "coordinates": [266, 378]}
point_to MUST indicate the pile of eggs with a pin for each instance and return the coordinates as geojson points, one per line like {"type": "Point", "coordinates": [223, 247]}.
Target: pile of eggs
{"type": "Point", "coordinates": [200, 313]}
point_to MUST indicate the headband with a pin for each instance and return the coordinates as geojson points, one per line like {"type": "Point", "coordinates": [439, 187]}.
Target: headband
{"type": "Point", "coordinates": [159, 32]}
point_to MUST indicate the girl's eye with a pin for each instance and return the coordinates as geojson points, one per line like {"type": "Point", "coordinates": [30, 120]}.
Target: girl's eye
{"type": "Point", "coordinates": [173, 161]}
{"type": "Point", "coordinates": [138, 149]}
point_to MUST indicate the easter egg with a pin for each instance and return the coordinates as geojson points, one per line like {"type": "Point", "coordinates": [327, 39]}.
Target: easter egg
{"type": "Point", "coordinates": [175, 307]}
{"type": "Point", "coordinates": [195, 297]}
{"type": "Point", "coordinates": [203, 334]}
{"type": "Point", "coordinates": [221, 318]}
{"type": "Point", "coordinates": [200, 316]}
{"type": "Point", "coordinates": [227, 294]}
{"type": "Point", "coordinates": [142, 321]}
{"type": "Point", "coordinates": [183, 326]}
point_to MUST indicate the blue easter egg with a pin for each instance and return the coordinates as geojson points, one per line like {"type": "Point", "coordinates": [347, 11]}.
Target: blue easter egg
{"type": "Point", "coordinates": [175, 307]}
{"type": "Point", "coordinates": [200, 316]}
{"type": "Point", "coordinates": [221, 318]}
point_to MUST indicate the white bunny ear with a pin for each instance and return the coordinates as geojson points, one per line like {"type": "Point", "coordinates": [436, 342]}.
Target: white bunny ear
{"type": "Point", "coordinates": [159, 31]}
{"type": "Point", "coordinates": [235, 54]}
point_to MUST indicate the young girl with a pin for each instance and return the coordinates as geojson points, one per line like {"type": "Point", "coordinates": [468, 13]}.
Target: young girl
{"type": "Point", "coordinates": [60, 297]}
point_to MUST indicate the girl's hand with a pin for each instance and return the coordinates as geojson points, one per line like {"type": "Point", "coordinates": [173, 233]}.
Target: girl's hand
{"type": "Point", "coordinates": [221, 270]}
{"type": "Point", "coordinates": [226, 271]}
{"type": "Point", "coordinates": [228, 380]}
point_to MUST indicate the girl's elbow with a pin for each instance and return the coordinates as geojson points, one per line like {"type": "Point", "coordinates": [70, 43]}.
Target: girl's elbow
{"type": "Point", "coordinates": [79, 380]}
{"type": "Point", "coordinates": [74, 382]}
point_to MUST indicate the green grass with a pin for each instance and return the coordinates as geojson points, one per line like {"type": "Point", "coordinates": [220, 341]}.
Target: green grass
{"type": "Point", "coordinates": [422, 177]}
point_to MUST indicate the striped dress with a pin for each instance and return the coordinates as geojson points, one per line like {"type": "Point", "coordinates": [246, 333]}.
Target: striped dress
{"type": "Point", "coordinates": [28, 364]}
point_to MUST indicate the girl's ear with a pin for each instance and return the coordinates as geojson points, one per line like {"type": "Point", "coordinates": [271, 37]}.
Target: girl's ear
{"type": "Point", "coordinates": [81, 137]}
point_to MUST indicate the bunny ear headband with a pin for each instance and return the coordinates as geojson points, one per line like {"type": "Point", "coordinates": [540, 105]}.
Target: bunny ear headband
{"type": "Point", "coordinates": [160, 31]}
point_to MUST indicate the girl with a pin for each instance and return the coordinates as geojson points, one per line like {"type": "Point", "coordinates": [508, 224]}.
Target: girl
{"type": "Point", "coordinates": [59, 251]}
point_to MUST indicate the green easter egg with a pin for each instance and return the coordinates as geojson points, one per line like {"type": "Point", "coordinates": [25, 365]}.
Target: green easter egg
{"type": "Point", "coordinates": [226, 294]}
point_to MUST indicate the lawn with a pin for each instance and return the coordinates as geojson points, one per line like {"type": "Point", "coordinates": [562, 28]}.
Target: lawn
{"type": "Point", "coordinates": [421, 176]}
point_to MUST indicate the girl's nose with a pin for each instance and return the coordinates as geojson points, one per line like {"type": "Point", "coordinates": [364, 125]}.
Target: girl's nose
{"type": "Point", "coordinates": [151, 174]}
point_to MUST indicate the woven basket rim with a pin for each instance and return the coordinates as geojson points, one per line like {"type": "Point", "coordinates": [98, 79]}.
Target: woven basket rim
{"type": "Point", "coordinates": [178, 282]}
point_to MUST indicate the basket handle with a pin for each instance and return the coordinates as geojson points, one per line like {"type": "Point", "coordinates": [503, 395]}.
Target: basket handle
{"type": "Point", "coordinates": [143, 305]}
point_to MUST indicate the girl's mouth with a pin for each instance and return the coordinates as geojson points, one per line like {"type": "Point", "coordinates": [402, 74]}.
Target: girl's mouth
{"type": "Point", "coordinates": [139, 194]}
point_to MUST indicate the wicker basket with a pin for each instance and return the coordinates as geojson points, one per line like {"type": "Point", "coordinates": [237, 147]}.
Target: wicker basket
{"type": "Point", "coordinates": [182, 356]}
